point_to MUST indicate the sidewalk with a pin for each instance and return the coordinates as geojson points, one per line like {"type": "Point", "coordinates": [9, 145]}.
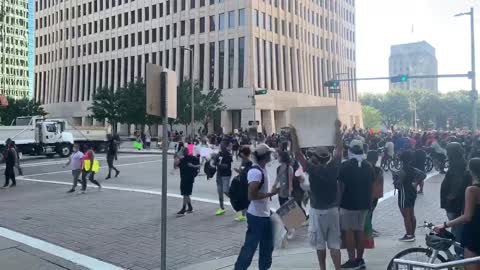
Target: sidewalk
{"type": "Point", "coordinates": [306, 258]}
{"type": "Point", "coordinates": [14, 255]}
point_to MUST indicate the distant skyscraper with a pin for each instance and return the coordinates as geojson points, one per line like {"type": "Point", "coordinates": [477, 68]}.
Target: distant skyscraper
{"type": "Point", "coordinates": [14, 48]}
{"type": "Point", "coordinates": [414, 59]}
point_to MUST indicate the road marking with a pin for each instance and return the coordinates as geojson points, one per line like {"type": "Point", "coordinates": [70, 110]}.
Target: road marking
{"type": "Point", "coordinates": [391, 193]}
{"type": "Point", "coordinates": [63, 161]}
{"type": "Point", "coordinates": [117, 165]}
{"type": "Point", "coordinates": [77, 258]}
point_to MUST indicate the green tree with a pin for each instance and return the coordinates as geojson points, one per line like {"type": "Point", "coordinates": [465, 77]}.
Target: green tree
{"type": "Point", "coordinates": [210, 103]}
{"type": "Point", "coordinates": [372, 118]}
{"type": "Point", "coordinates": [132, 103]}
{"type": "Point", "coordinates": [184, 102]}
{"type": "Point", "coordinates": [105, 106]}
{"type": "Point", "coordinates": [20, 107]}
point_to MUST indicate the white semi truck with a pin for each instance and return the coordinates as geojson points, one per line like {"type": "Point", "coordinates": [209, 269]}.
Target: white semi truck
{"type": "Point", "coordinates": [36, 135]}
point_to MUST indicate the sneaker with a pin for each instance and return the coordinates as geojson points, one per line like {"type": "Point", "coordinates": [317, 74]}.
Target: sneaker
{"type": "Point", "coordinates": [375, 233]}
{"type": "Point", "coordinates": [181, 213]}
{"type": "Point", "coordinates": [220, 212]}
{"type": "Point", "coordinates": [108, 177]}
{"type": "Point", "coordinates": [291, 234]}
{"type": "Point", "coordinates": [83, 191]}
{"type": "Point", "coordinates": [407, 238]}
{"type": "Point", "coordinates": [71, 191]}
{"type": "Point", "coordinates": [190, 211]}
{"type": "Point", "coordinates": [241, 218]}
{"type": "Point", "coordinates": [361, 263]}
{"type": "Point", "coordinates": [350, 265]}
{"type": "Point", "coordinates": [117, 173]}
{"type": "Point", "coordinates": [13, 185]}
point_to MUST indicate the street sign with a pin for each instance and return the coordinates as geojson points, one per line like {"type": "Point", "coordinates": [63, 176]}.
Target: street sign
{"type": "Point", "coordinates": [334, 90]}
{"type": "Point", "coordinates": [251, 123]}
{"type": "Point", "coordinates": [161, 88]}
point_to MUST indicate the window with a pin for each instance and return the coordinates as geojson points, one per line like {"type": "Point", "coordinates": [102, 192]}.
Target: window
{"type": "Point", "coordinates": [221, 21]}
{"type": "Point", "coordinates": [140, 39]}
{"type": "Point", "coordinates": [269, 23]}
{"type": "Point", "coordinates": [125, 18]}
{"type": "Point", "coordinates": [241, 60]}
{"type": "Point", "coordinates": [212, 23]}
{"type": "Point", "coordinates": [154, 14]}
{"type": "Point", "coordinates": [125, 40]}
{"type": "Point", "coordinates": [182, 28]}
{"type": "Point", "coordinates": [192, 4]}
{"type": "Point", "coordinates": [262, 20]}
{"type": "Point", "coordinates": [113, 44]}
{"type": "Point", "coordinates": [167, 8]}
{"type": "Point", "coordinates": [183, 4]}
{"type": "Point", "coordinates": [275, 26]}
{"type": "Point", "coordinates": [211, 66]}
{"type": "Point", "coordinates": [259, 73]}
{"type": "Point", "coordinates": [107, 46]}
{"type": "Point", "coordinates": [241, 17]}
{"type": "Point", "coordinates": [278, 66]}
{"type": "Point", "coordinates": [139, 15]}
{"type": "Point", "coordinates": [160, 34]}
{"type": "Point", "coordinates": [107, 24]}
{"type": "Point", "coordinates": [119, 42]}
{"type": "Point", "coordinates": [174, 31]}
{"type": "Point", "coordinates": [221, 63]}
{"type": "Point", "coordinates": [147, 36]}
{"type": "Point", "coordinates": [147, 14]}
{"type": "Point", "coordinates": [132, 16]}
{"type": "Point", "coordinates": [119, 20]}
{"type": "Point", "coordinates": [154, 35]}
{"type": "Point", "coordinates": [160, 15]}
{"type": "Point", "coordinates": [231, 19]}
{"type": "Point", "coordinates": [113, 22]}
{"type": "Point", "coordinates": [192, 26]}
{"type": "Point", "coordinates": [202, 3]}
{"type": "Point", "coordinates": [202, 24]}
{"type": "Point", "coordinates": [231, 55]}
{"type": "Point", "coordinates": [174, 11]}
{"type": "Point", "coordinates": [255, 18]}
{"type": "Point", "coordinates": [167, 32]}
{"type": "Point", "coordinates": [201, 71]}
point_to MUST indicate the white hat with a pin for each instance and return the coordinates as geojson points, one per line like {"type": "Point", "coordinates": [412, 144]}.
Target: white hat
{"type": "Point", "coordinates": [262, 149]}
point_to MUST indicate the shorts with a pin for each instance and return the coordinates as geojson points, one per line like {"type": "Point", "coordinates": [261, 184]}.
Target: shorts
{"type": "Point", "coordinates": [353, 220]}
{"type": "Point", "coordinates": [223, 184]}
{"type": "Point", "coordinates": [406, 199]}
{"type": "Point", "coordinates": [186, 186]}
{"type": "Point", "coordinates": [324, 229]}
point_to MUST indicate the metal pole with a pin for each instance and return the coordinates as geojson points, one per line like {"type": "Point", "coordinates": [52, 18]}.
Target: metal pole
{"type": "Point", "coordinates": [474, 81]}
{"type": "Point", "coordinates": [163, 256]}
{"type": "Point", "coordinates": [193, 96]}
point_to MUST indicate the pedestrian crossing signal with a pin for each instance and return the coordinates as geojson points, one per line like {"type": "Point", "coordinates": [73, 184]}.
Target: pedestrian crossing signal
{"type": "Point", "coordinates": [399, 79]}
{"type": "Point", "coordinates": [331, 84]}
{"type": "Point", "coordinates": [261, 92]}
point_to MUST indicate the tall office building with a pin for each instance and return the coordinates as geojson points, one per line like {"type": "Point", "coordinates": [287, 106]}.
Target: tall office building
{"type": "Point", "coordinates": [14, 48]}
{"type": "Point", "coordinates": [289, 47]}
{"type": "Point", "coordinates": [414, 59]}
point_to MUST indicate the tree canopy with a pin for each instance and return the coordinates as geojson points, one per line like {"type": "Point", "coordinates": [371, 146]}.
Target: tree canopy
{"type": "Point", "coordinates": [20, 107]}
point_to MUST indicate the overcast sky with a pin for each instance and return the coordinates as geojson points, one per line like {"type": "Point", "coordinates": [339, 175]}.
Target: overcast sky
{"type": "Point", "coordinates": [382, 23]}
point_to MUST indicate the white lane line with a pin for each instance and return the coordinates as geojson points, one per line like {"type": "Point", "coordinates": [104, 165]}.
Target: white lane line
{"type": "Point", "coordinates": [63, 161]}
{"type": "Point", "coordinates": [116, 165]}
{"type": "Point", "coordinates": [77, 258]}
{"type": "Point", "coordinates": [118, 188]}
{"type": "Point", "coordinates": [391, 193]}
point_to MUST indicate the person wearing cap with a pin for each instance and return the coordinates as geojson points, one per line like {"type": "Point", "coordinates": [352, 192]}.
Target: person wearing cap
{"type": "Point", "coordinates": [259, 230]}
{"type": "Point", "coordinates": [224, 173]}
{"type": "Point", "coordinates": [324, 223]}
{"type": "Point", "coordinates": [356, 179]}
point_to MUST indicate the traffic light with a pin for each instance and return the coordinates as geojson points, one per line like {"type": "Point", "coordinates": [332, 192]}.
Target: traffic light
{"type": "Point", "coordinates": [399, 79]}
{"type": "Point", "coordinates": [261, 92]}
{"type": "Point", "coordinates": [332, 84]}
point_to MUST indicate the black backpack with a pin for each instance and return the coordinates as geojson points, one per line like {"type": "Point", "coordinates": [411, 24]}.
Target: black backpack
{"type": "Point", "coordinates": [238, 191]}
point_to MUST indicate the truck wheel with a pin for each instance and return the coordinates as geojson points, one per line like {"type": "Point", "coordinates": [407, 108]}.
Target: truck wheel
{"type": "Point", "coordinates": [65, 150]}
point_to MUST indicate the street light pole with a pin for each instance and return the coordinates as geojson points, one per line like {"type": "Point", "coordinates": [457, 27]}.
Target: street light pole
{"type": "Point", "coordinates": [193, 91]}
{"type": "Point", "coordinates": [474, 94]}
{"type": "Point", "coordinates": [337, 76]}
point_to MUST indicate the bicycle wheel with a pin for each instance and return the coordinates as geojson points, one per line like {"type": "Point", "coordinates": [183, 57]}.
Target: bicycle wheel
{"type": "Point", "coordinates": [429, 164]}
{"type": "Point", "coordinates": [395, 164]}
{"type": "Point", "coordinates": [417, 254]}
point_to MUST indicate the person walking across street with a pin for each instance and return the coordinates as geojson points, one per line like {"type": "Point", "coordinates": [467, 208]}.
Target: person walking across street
{"type": "Point", "coordinates": [88, 165]}
{"type": "Point", "coordinates": [223, 162]}
{"type": "Point", "coordinates": [259, 231]}
{"type": "Point", "coordinates": [245, 166]}
{"type": "Point", "coordinates": [470, 219]}
{"type": "Point", "coordinates": [452, 190]}
{"type": "Point", "coordinates": [75, 162]}
{"type": "Point", "coordinates": [189, 166]}
{"type": "Point", "coordinates": [10, 157]}
{"type": "Point", "coordinates": [111, 156]}
{"type": "Point", "coordinates": [324, 222]}
{"type": "Point", "coordinates": [408, 179]}
{"type": "Point", "coordinates": [356, 178]}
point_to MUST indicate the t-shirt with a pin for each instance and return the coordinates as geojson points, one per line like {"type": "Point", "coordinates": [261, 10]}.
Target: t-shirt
{"type": "Point", "coordinates": [187, 172]}
{"type": "Point", "coordinates": [420, 158]}
{"type": "Point", "coordinates": [76, 161]}
{"type": "Point", "coordinates": [224, 158]}
{"type": "Point", "coordinates": [357, 182]}
{"type": "Point", "coordinates": [323, 184]}
{"type": "Point", "coordinates": [259, 208]}
{"type": "Point", "coordinates": [390, 148]}
{"type": "Point", "coordinates": [112, 148]}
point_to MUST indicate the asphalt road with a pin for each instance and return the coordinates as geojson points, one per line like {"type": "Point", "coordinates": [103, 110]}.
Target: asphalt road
{"type": "Point", "coordinates": [121, 223]}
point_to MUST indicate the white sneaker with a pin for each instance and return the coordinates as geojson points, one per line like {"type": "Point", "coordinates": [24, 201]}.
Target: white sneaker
{"type": "Point", "coordinates": [291, 234]}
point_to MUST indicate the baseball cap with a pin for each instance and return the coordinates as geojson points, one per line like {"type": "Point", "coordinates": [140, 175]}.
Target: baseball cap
{"type": "Point", "coordinates": [262, 149]}
{"type": "Point", "coordinates": [356, 147]}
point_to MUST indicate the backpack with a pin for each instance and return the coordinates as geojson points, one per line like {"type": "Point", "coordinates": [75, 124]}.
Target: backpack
{"type": "Point", "coordinates": [209, 170]}
{"type": "Point", "coordinates": [238, 191]}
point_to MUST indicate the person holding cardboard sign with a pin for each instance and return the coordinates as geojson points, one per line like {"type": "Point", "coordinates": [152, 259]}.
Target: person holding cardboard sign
{"type": "Point", "coordinates": [324, 223]}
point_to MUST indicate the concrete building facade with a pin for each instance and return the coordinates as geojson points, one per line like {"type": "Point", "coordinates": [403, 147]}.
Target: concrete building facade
{"type": "Point", "coordinates": [414, 59]}
{"type": "Point", "coordinates": [14, 48]}
{"type": "Point", "coordinates": [289, 47]}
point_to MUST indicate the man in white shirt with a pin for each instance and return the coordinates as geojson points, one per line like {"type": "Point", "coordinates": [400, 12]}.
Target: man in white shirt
{"type": "Point", "coordinates": [258, 214]}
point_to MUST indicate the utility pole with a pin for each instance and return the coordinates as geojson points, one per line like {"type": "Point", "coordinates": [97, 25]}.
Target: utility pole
{"type": "Point", "coordinates": [472, 74]}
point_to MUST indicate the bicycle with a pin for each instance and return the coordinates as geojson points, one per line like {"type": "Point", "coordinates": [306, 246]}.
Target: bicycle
{"type": "Point", "coordinates": [436, 243]}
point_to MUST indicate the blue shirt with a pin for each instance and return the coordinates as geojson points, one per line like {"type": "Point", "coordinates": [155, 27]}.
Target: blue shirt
{"type": "Point", "coordinates": [76, 160]}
